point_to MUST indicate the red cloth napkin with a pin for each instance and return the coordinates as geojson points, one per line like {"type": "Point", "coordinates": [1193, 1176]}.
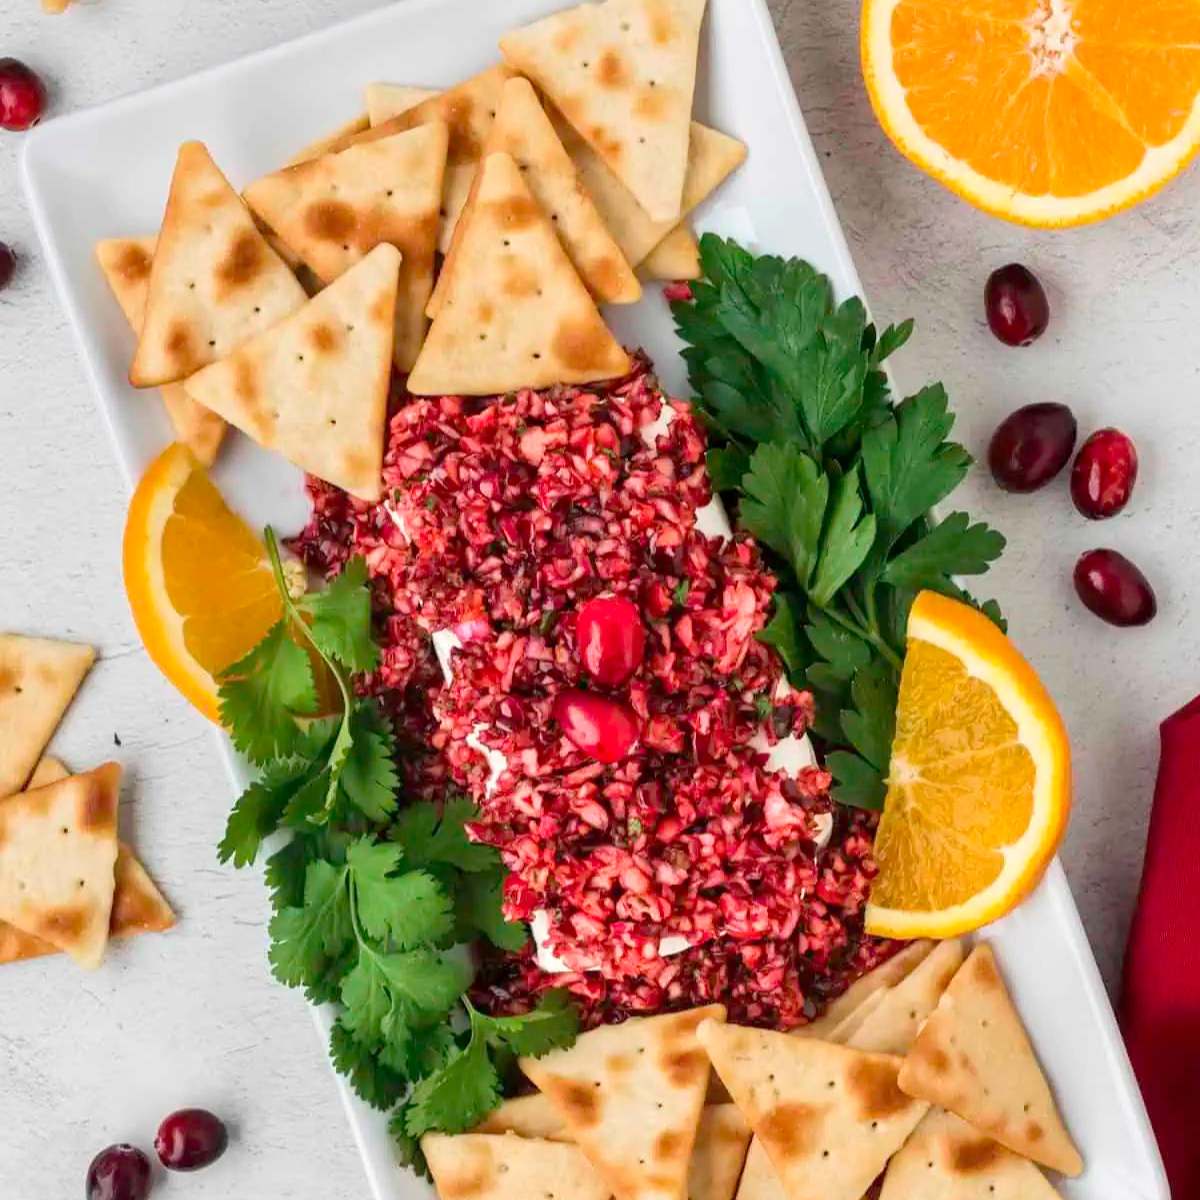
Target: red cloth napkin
{"type": "Point", "coordinates": [1160, 1006]}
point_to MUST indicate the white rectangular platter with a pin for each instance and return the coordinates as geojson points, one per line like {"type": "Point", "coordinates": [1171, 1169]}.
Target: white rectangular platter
{"type": "Point", "coordinates": [104, 173]}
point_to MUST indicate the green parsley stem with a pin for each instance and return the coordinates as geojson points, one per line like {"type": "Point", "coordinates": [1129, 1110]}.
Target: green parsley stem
{"type": "Point", "coordinates": [861, 629]}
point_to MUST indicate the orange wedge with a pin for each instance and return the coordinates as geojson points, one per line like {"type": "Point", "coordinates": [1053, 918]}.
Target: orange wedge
{"type": "Point", "coordinates": [1046, 112]}
{"type": "Point", "coordinates": [979, 787]}
{"type": "Point", "coordinates": [198, 580]}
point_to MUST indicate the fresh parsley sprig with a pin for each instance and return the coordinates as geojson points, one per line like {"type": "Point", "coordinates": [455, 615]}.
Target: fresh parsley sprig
{"type": "Point", "coordinates": [376, 904]}
{"type": "Point", "coordinates": [838, 482]}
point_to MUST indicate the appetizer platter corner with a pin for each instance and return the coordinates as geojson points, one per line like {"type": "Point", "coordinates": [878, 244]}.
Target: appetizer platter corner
{"type": "Point", "coordinates": [568, 427]}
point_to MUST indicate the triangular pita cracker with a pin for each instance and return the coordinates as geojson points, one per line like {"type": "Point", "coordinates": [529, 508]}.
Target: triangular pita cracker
{"type": "Point", "coordinates": [973, 1057]}
{"type": "Point", "coordinates": [138, 906]}
{"type": "Point", "coordinates": [315, 388]}
{"type": "Point", "coordinates": [839, 1022]}
{"type": "Point", "coordinates": [58, 848]}
{"type": "Point", "coordinates": [624, 74]}
{"type": "Point", "coordinates": [828, 1117]}
{"type": "Point", "coordinates": [126, 265]}
{"type": "Point", "coordinates": [388, 100]}
{"type": "Point", "coordinates": [886, 975]}
{"type": "Point", "coordinates": [712, 158]}
{"type": "Point", "coordinates": [333, 210]}
{"type": "Point", "coordinates": [523, 131]}
{"type": "Point", "coordinates": [515, 314]}
{"type": "Point", "coordinates": [468, 110]}
{"type": "Point", "coordinates": [38, 681]}
{"type": "Point", "coordinates": [632, 1095]}
{"type": "Point", "coordinates": [326, 144]}
{"type": "Point", "coordinates": [528, 1117]}
{"type": "Point", "coordinates": [677, 256]}
{"type": "Point", "coordinates": [893, 1025]}
{"type": "Point", "coordinates": [720, 1151]}
{"type": "Point", "coordinates": [214, 282]}
{"type": "Point", "coordinates": [482, 1166]}
{"type": "Point", "coordinates": [945, 1159]}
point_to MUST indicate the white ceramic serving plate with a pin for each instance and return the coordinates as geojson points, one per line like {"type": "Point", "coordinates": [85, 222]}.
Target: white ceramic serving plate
{"type": "Point", "coordinates": [105, 172]}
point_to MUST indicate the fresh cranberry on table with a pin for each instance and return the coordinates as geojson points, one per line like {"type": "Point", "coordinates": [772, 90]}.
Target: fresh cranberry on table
{"type": "Point", "coordinates": [120, 1172]}
{"type": "Point", "coordinates": [1114, 588]}
{"type": "Point", "coordinates": [22, 96]}
{"type": "Point", "coordinates": [611, 638]}
{"type": "Point", "coordinates": [1104, 473]}
{"type": "Point", "coordinates": [8, 265]}
{"type": "Point", "coordinates": [190, 1139]}
{"type": "Point", "coordinates": [600, 727]}
{"type": "Point", "coordinates": [1016, 305]}
{"type": "Point", "coordinates": [1030, 446]}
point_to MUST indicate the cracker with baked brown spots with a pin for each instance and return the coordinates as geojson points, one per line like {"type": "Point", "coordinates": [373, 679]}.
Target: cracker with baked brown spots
{"type": "Point", "coordinates": [631, 1096]}
{"type": "Point", "coordinates": [126, 263]}
{"type": "Point", "coordinates": [712, 158]}
{"type": "Point", "coordinates": [626, 81]}
{"type": "Point", "coordinates": [891, 1028]}
{"type": "Point", "coordinates": [333, 210]}
{"type": "Point", "coordinates": [828, 1117]}
{"type": "Point", "coordinates": [544, 327]}
{"type": "Point", "coordinates": [315, 387]}
{"type": "Point", "coordinates": [38, 680]}
{"type": "Point", "coordinates": [483, 1166]}
{"type": "Point", "coordinates": [974, 1058]}
{"type": "Point", "coordinates": [138, 906]}
{"type": "Point", "coordinates": [946, 1159]}
{"type": "Point", "coordinates": [523, 131]}
{"type": "Point", "coordinates": [214, 281]}
{"type": "Point", "coordinates": [468, 110]}
{"type": "Point", "coordinates": [58, 850]}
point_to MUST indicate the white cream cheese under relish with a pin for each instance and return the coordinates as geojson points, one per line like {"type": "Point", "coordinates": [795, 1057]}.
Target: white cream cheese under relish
{"type": "Point", "coordinates": [792, 754]}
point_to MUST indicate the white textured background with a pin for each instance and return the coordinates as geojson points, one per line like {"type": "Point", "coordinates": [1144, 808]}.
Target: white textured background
{"type": "Point", "coordinates": [193, 1018]}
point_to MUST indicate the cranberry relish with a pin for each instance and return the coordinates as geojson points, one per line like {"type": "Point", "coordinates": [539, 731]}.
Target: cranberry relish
{"type": "Point", "coordinates": [503, 518]}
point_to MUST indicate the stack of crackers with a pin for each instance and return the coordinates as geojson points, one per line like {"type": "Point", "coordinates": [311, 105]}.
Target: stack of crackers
{"type": "Point", "coordinates": [542, 184]}
{"type": "Point", "coordinates": [921, 1076]}
{"type": "Point", "coordinates": [66, 883]}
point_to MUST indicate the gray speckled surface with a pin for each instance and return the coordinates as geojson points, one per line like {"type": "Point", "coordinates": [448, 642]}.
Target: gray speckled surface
{"type": "Point", "coordinates": [194, 1018]}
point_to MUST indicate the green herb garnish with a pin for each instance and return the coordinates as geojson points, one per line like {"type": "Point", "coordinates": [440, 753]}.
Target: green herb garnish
{"type": "Point", "coordinates": [375, 901]}
{"type": "Point", "coordinates": [836, 480]}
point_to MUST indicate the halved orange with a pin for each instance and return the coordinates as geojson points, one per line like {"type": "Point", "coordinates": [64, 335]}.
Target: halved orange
{"type": "Point", "coordinates": [198, 580]}
{"type": "Point", "coordinates": [979, 786]}
{"type": "Point", "coordinates": [1046, 112]}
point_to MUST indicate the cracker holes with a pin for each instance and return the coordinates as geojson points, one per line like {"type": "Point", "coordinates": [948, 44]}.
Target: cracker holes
{"type": "Point", "coordinates": [258, 308]}
{"type": "Point", "coordinates": [81, 884]}
{"type": "Point", "coordinates": [874, 1124]}
{"type": "Point", "coordinates": [212, 343]}
{"type": "Point", "coordinates": [912, 1014]}
{"type": "Point", "coordinates": [390, 192]}
{"type": "Point", "coordinates": [64, 831]}
{"type": "Point", "coordinates": [824, 1153]}
{"type": "Point", "coordinates": [333, 420]}
{"type": "Point", "coordinates": [192, 286]}
{"type": "Point", "coordinates": [832, 1083]}
{"type": "Point", "coordinates": [1025, 1109]}
{"type": "Point", "coordinates": [537, 354]}
{"type": "Point", "coordinates": [299, 357]}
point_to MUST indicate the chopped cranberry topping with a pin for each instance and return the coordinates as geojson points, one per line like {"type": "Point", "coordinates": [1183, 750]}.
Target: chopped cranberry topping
{"type": "Point", "coordinates": [509, 515]}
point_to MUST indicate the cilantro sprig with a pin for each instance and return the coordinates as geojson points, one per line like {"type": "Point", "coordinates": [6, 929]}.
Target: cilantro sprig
{"type": "Point", "coordinates": [836, 479]}
{"type": "Point", "coordinates": [376, 902]}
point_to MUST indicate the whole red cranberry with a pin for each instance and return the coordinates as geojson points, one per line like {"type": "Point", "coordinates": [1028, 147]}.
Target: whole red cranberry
{"type": "Point", "coordinates": [611, 638]}
{"type": "Point", "coordinates": [8, 265]}
{"type": "Point", "coordinates": [1104, 473]}
{"type": "Point", "coordinates": [1114, 589]}
{"type": "Point", "coordinates": [190, 1139]}
{"type": "Point", "coordinates": [120, 1172]}
{"type": "Point", "coordinates": [1016, 305]}
{"type": "Point", "coordinates": [22, 96]}
{"type": "Point", "coordinates": [1030, 446]}
{"type": "Point", "coordinates": [598, 726]}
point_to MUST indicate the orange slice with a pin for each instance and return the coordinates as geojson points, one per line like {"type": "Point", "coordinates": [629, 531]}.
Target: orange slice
{"type": "Point", "coordinates": [979, 787]}
{"type": "Point", "coordinates": [1047, 112]}
{"type": "Point", "coordinates": [198, 580]}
